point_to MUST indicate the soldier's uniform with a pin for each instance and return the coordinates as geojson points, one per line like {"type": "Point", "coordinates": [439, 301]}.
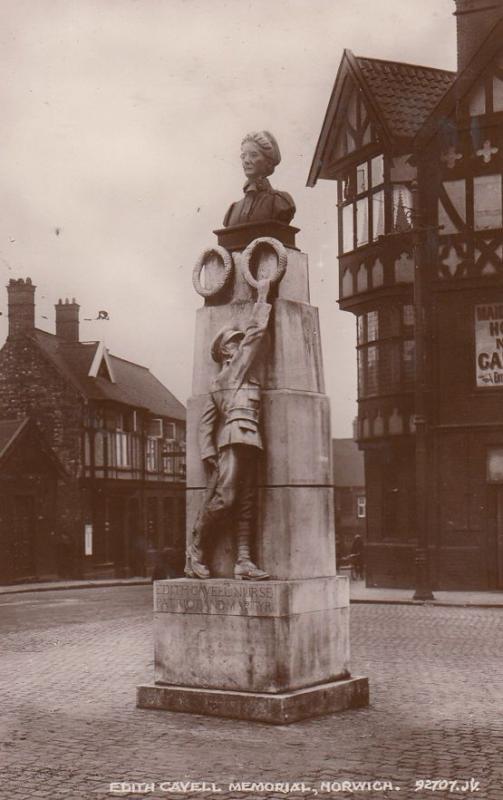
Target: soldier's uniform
{"type": "Point", "coordinates": [230, 431]}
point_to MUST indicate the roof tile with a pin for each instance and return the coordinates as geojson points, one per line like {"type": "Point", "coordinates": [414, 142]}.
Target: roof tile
{"type": "Point", "coordinates": [405, 93]}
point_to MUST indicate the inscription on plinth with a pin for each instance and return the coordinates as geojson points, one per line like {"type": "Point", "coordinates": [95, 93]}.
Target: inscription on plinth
{"type": "Point", "coordinates": [229, 597]}
{"type": "Point", "coordinates": [251, 598]}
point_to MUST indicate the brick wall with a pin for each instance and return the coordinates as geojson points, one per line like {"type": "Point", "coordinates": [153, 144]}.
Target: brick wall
{"type": "Point", "coordinates": [31, 385]}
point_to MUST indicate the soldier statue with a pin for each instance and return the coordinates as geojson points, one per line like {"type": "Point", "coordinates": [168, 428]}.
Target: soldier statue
{"type": "Point", "coordinates": [260, 156]}
{"type": "Point", "coordinates": [230, 442]}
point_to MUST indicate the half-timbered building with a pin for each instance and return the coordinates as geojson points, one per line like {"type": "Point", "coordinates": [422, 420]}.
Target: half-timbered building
{"type": "Point", "coordinates": [119, 436]}
{"type": "Point", "coordinates": [417, 157]}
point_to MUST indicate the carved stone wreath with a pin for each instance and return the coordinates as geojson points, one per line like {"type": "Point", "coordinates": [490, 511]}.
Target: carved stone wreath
{"type": "Point", "coordinates": [227, 264]}
{"type": "Point", "coordinates": [278, 249]}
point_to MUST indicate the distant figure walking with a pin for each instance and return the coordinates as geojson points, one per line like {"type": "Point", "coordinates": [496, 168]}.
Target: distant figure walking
{"type": "Point", "coordinates": [358, 556]}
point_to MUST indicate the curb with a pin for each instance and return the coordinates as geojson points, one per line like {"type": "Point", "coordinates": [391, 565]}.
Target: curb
{"type": "Point", "coordinates": [431, 603]}
{"type": "Point", "coordinates": [59, 587]}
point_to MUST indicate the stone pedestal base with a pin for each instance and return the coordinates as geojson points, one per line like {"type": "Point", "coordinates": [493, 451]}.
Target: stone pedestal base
{"type": "Point", "coordinates": [272, 651]}
{"type": "Point", "coordinates": [278, 709]}
{"type": "Point", "coordinates": [266, 636]}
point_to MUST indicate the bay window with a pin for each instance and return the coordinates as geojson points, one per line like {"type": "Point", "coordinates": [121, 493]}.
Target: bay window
{"type": "Point", "coordinates": [385, 351]}
{"type": "Point", "coordinates": [361, 204]}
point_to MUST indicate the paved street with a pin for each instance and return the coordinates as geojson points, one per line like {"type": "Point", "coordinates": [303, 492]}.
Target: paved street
{"type": "Point", "coordinates": [71, 660]}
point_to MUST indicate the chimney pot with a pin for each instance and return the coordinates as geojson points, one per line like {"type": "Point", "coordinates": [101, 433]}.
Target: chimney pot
{"type": "Point", "coordinates": [67, 320]}
{"type": "Point", "coordinates": [21, 302]}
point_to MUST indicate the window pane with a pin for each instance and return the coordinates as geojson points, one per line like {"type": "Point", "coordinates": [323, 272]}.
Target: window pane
{"type": "Point", "coordinates": [402, 208]}
{"type": "Point", "coordinates": [362, 221]}
{"type": "Point", "coordinates": [497, 94]}
{"type": "Point", "coordinates": [477, 100]}
{"type": "Point", "coordinates": [409, 363]}
{"type": "Point", "coordinates": [389, 322]}
{"type": "Point", "coordinates": [378, 214]}
{"type": "Point", "coordinates": [362, 178]}
{"type": "Point", "coordinates": [99, 455]}
{"type": "Point", "coordinates": [389, 366]}
{"type": "Point", "coordinates": [361, 329]}
{"type": "Point", "coordinates": [349, 186]}
{"type": "Point", "coordinates": [372, 370]}
{"type": "Point", "coordinates": [372, 326]}
{"type": "Point", "coordinates": [377, 170]}
{"type": "Point", "coordinates": [487, 201]}
{"type": "Point", "coordinates": [362, 389]}
{"type": "Point", "coordinates": [347, 229]}
{"type": "Point", "coordinates": [362, 506]}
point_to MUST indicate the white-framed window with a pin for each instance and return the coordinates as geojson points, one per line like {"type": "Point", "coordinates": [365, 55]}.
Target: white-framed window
{"type": "Point", "coordinates": [361, 506]}
{"type": "Point", "coordinates": [152, 454]}
{"type": "Point", "coordinates": [122, 458]}
{"type": "Point", "coordinates": [155, 428]}
{"type": "Point", "coordinates": [361, 204]}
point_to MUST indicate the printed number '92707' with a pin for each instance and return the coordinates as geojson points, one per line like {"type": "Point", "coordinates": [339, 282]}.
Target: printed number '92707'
{"type": "Point", "coordinates": [443, 785]}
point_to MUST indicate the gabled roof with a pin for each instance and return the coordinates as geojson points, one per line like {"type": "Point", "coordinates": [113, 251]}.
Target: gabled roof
{"type": "Point", "coordinates": [399, 96]}
{"type": "Point", "coordinates": [347, 462]}
{"type": "Point", "coordinates": [462, 84]}
{"type": "Point", "coordinates": [405, 93]}
{"type": "Point", "coordinates": [133, 384]}
{"type": "Point", "coordinates": [101, 364]}
{"type": "Point", "coordinates": [13, 431]}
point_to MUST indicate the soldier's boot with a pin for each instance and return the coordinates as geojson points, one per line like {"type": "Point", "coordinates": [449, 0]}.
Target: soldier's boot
{"type": "Point", "coordinates": [194, 567]}
{"type": "Point", "coordinates": [245, 569]}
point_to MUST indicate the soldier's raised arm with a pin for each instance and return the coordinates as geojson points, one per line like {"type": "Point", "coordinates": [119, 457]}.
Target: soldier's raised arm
{"type": "Point", "coordinates": [254, 333]}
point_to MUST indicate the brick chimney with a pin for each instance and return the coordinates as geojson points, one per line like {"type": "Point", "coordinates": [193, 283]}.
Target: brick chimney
{"type": "Point", "coordinates": [21, 300]}
{"type": "Point", "coordinates": [475, 19]}
{"type": "Point", "coordinates": [67, 320]}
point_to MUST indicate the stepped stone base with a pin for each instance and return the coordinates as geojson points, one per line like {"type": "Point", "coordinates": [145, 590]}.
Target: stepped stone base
{"type": "Point", "coordinates": [277, 709]}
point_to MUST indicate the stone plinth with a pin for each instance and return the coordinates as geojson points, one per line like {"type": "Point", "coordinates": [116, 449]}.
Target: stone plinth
{"type": "Point", "coordinates": [270, 636]}
{"type": "Point", "coordinates": [275, 651]}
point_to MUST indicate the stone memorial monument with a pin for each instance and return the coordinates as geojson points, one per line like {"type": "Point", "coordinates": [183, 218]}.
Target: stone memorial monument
{"type": "Point", "coordinates": [259, 628]}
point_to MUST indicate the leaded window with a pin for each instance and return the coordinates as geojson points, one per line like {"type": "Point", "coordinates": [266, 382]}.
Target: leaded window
{"type": "Point", "coordinates": [361, 201]}
{"type": "Point", "coordinates": [385, 350]}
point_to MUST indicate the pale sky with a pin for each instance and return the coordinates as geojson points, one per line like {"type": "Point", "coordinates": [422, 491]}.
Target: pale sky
{"type": "Point", "coordinates": [119, 152]}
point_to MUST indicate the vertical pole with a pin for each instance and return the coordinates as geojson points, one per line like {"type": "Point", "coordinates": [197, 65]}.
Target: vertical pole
{"type": "Point", "coordinates": [422, 562]}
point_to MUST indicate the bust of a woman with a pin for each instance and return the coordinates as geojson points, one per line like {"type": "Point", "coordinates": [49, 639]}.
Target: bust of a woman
{"type": "Point", "coordinates": [259, 156]}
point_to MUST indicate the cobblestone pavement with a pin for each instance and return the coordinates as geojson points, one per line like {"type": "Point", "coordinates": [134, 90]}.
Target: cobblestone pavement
{"type": "Point", "coordinates": [70, 662]}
